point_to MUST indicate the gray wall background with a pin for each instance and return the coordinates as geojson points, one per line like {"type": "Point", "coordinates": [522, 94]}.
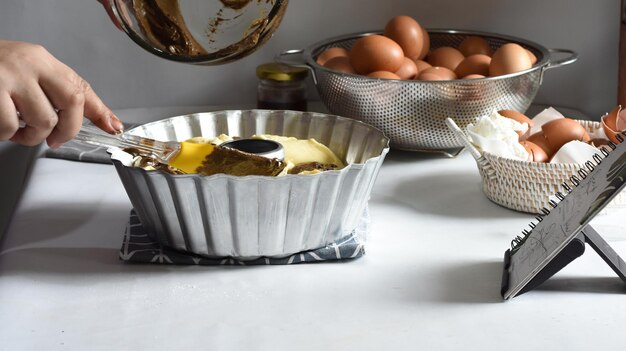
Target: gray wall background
{"type": "Point", "coordinates": [79, 33]}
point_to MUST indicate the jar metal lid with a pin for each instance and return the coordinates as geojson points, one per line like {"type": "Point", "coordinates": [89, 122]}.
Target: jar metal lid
{"type": "Point", "coordinates": [280, 72]}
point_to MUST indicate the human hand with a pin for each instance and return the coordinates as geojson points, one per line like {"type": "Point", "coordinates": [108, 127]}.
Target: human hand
{"type": "Point", "coordinates": [51, 98]}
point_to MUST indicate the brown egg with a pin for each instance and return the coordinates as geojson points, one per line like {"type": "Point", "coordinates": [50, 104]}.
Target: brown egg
{"type": "Point", "coordinates": [422, 65]}
{"type": "Point", "coordinates": [475, 64]}
{"type": "Point", "coordinates": [609, 124]}
{"type": "Point", "coordinates": [540, 140]}
{"type": "Point", "coordinates": [341, 64]}
{"type": "Point", "coordinates": [445, 56]}
{"type": "Point", "coordinates": [425, 45]}
{"type": "Point", "coordinates": [405, 31]}
{"type": "Point", "coordinates": [474, 45]}
{"type": "Point", "coordinates": [533, 58]}
{"type": "Point", "coordinates": [473, 76]}
{"type": "Point", "coordinates": [535, 153]}
{"type": "Point", "coordinates": [517, 116]}
{"type": "Point", "coordinates": [509, 58]}
{"type": "Point", "coordinates": [331, 53]}
{"type": "Point", "coordinates": [383, 75]}
{"type": "Point", "coordinates": [443, 72]}
{"type": "Point", "coordinates": [429, 76]}
{"type": "Point", "coordinates": [376, 53]}
{"type": "Point", "coordinates": [560, 131]}
{"type": "Point", "coordinates": [408, 69]}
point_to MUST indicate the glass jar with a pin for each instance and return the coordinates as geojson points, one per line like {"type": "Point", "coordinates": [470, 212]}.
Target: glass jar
{"type": "Point", "coordinates": [281, 87]}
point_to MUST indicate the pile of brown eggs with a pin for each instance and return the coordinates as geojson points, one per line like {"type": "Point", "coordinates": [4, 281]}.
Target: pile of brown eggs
{"type": "Point", "coordinates": [403, 52]}
{"type": "Point", "coordinates": [544, 144]}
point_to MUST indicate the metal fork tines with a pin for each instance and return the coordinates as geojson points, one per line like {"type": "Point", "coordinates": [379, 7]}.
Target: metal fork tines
{"type": "Point", "coordinates": [163, 151]}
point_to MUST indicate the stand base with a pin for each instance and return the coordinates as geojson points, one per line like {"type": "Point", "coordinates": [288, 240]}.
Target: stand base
{"type": "Point", "coordinates": [572, 251]}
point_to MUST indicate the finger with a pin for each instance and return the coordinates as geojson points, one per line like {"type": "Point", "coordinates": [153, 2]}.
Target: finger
{"type": "Point", "coordinates": [38, 114]}
{"type": "Point", "coordinates": [67, 90]}
{"type": "Point", "coordinates": [9, 123]}
{"type": "Point", "coordinates": [98, 113]}
{"type": "Point", "coordinates": [70, 121]}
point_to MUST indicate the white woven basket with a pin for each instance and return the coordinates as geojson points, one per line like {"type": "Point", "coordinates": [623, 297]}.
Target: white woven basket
{"type": "Point", "coordinates": [522, 185]}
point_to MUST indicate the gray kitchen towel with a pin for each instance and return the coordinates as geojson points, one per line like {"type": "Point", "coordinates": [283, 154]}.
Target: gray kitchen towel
{"type": "Point", "coordinates": [138, 247]}
{"type": "Point", "coordinates": [80, 152]}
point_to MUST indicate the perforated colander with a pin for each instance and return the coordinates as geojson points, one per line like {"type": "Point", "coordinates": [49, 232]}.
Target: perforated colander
{"type": "Point", "coordinates": [412, 113]}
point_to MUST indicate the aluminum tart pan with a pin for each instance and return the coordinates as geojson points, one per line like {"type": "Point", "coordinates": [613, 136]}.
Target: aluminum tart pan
{"type": "Point", "coordinates": [254, 216]}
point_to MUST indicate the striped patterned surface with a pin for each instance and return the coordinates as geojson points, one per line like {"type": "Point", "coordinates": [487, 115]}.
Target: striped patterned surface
{"type": "Point", "coordinates": [138, 247]}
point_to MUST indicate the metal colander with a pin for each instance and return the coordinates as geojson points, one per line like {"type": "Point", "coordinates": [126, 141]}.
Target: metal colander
{"type": "Point", "coordinates": [412, 113]}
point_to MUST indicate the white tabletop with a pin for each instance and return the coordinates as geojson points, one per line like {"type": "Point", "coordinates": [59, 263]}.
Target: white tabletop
{"type": "Point", "coordinates": [430, 279]}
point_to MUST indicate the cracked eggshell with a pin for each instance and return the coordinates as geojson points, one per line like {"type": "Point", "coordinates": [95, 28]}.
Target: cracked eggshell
{"type": "Point", "coordinates": [561, 131]}
{"type": "Point", "coordinates": [540, 140]}
{"type": "Point", "coordinates": [535, 153]}
{"type": "Point", "coordinates": [522, 119]}
{"type": "Point", "coordinates": [609, 124]}
{"type": "Point", "coordinates": [575, 151]}
{"type": "Point", "coordinates": [544, 117]}
{"type": "Point", "coordinates": [620, 121]}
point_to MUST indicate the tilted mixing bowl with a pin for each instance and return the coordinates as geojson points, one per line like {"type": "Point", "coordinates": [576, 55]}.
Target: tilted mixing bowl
{"type": "Point", "coordinates": [206, 32]}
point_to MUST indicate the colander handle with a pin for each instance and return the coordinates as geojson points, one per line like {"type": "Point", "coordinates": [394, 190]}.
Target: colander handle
{"type": "Point", "coordinates": [481, 161]}
{"type": "Point", "coordinates": [571, 58]}
{"type": "Point", "coordinates": [281, 58]}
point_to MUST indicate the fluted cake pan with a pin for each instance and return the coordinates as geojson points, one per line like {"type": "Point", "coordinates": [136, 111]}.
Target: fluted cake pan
{"type": "Point", "coordinates": [253, 216]}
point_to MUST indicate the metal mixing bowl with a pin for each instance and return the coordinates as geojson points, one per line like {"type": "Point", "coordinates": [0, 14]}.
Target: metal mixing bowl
{"type": "Point", "coordinates": [412, 113]}
{"type": "Point", "coordinates": [206, 32]}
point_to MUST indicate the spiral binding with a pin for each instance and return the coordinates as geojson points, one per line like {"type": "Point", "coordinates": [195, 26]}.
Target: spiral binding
{"type": "Point", "coordinates": [574, 180]}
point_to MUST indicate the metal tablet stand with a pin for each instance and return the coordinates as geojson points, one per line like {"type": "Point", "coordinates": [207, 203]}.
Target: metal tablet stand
{"type": "Point", "coordinates": [572, 251]}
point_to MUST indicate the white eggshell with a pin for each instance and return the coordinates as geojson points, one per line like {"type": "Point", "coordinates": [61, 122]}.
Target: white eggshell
{"type": "Point", "coordinates": [496, 135]}
{"type": "Point", "coordinates": [620, 123]}
{"type": "Point", "coordinates": [544, 117]}
{"type": "Point", "coordinates": [498, 147]}
{"type": "Point", "coordinates": [574, 152]}
{"type": "Point", "coordinates": [598, 133]}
